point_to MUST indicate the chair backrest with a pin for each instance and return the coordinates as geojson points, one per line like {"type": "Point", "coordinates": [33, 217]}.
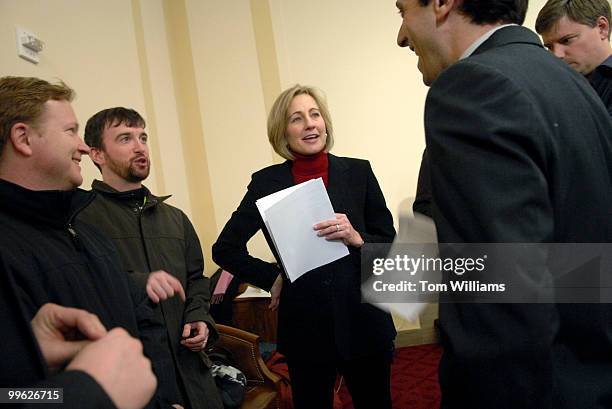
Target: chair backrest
{"type": "Point", "coordinates": [244, 349]}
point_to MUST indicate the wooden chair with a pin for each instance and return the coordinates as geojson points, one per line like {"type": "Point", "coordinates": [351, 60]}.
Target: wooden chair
{"type": "Point", "coordinates": [262, 385]}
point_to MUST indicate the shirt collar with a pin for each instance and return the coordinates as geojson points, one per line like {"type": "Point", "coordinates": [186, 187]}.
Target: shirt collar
{"type": "Point", "coordinates": [474, 46]}
{"type": "Point", "coordinates": [607, 62]}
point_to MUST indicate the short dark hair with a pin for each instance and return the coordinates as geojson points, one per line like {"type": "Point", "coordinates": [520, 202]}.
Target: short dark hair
{"type": "Point", "coordinates": [492, 11]}
{"type": "Point", "coordinates": [581, 11]}
{"type": "Point", "coordinates": [22, 99]}
{"type": "Point", "coordinates": [108, 118]}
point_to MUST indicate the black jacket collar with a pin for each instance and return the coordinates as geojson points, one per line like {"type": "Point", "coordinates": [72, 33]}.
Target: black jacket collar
{"type": "Point", "coordinates": [604, 69]}
{"type": "Point", "coordinates": [128, 196]}
{"type": "Point", "coordinates": [56, 208]}
{"type": "Point", "coordinates": [338, 179]}
{"type": "Point", "coordinates": [509, 35]}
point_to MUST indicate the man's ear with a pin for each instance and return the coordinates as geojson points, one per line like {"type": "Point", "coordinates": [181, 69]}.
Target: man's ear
{"type": "Point", "coordinates": [97, 156]}
{"type": "Point", "coordinates": [604, 27]}
{"type": "Point", "coordinates": [442, 9]}
{"type": "Point", "coordinates": [19, 138]}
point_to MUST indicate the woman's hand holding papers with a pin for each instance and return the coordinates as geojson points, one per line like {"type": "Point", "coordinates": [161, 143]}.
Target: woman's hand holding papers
{"type": "Point", "coordinates": [339, 229]}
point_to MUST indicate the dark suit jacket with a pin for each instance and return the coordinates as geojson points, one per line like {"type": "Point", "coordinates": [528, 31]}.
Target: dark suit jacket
{"type": "Point", "coordinates": [323, 307]}
{"type": "Point", "coordinates": [519, 151]}
{"type": "Point", "coordinates": [422, 200]}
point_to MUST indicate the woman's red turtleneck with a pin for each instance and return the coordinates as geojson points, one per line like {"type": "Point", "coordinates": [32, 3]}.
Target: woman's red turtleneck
{"type": "Point", "coordinates": [310, 167]}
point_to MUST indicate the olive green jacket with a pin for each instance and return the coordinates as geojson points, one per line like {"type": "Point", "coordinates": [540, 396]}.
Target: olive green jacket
{"type": "Point", "coordinates": [151, 235]}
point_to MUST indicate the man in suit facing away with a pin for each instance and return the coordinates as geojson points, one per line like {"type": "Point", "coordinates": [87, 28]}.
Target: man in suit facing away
{"type": "Point", "coordinates": [518, 151]}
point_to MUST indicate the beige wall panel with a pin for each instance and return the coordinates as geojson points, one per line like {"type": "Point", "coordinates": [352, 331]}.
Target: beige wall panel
{"type": "Point", "coordinates": [532, 12]}
{"type": "Point", "coordinates": [232, 102]}
{"type": "Point", "coordinates": [163, 106]}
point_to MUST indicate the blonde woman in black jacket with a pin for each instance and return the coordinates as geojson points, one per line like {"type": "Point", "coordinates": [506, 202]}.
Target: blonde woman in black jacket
{"type": "Point", "coordinates": [324, 328]}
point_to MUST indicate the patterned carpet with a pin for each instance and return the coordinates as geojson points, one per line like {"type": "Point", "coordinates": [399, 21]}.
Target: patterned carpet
{"type": "Point", "coordinates": [414, 379]}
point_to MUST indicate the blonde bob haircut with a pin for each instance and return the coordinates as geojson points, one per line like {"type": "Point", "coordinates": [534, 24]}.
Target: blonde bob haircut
{"type": "Point", "coordinates": [279, 118]}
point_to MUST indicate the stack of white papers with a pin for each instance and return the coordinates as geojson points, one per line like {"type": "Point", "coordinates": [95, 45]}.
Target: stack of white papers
{"type": "Point", "coordinates": [254, 292]}
{"type": "Point", "coordinates": [413, 229]}
{"type": "Point", "coordinates": [290, 215]}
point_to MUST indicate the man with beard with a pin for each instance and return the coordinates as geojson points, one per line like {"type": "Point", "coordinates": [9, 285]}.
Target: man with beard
{"type": "Point", "coordinates": [152, 235]}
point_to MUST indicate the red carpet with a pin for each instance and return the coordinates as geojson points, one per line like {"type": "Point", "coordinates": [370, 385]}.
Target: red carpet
{"type": "Point", "coordinates": [414, 379]}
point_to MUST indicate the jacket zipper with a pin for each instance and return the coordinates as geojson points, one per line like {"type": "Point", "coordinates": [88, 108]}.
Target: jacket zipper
{"type": "Point", "coordinates": [140, 210]}
{"type": "Point", "coordinates": [74, 235]}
